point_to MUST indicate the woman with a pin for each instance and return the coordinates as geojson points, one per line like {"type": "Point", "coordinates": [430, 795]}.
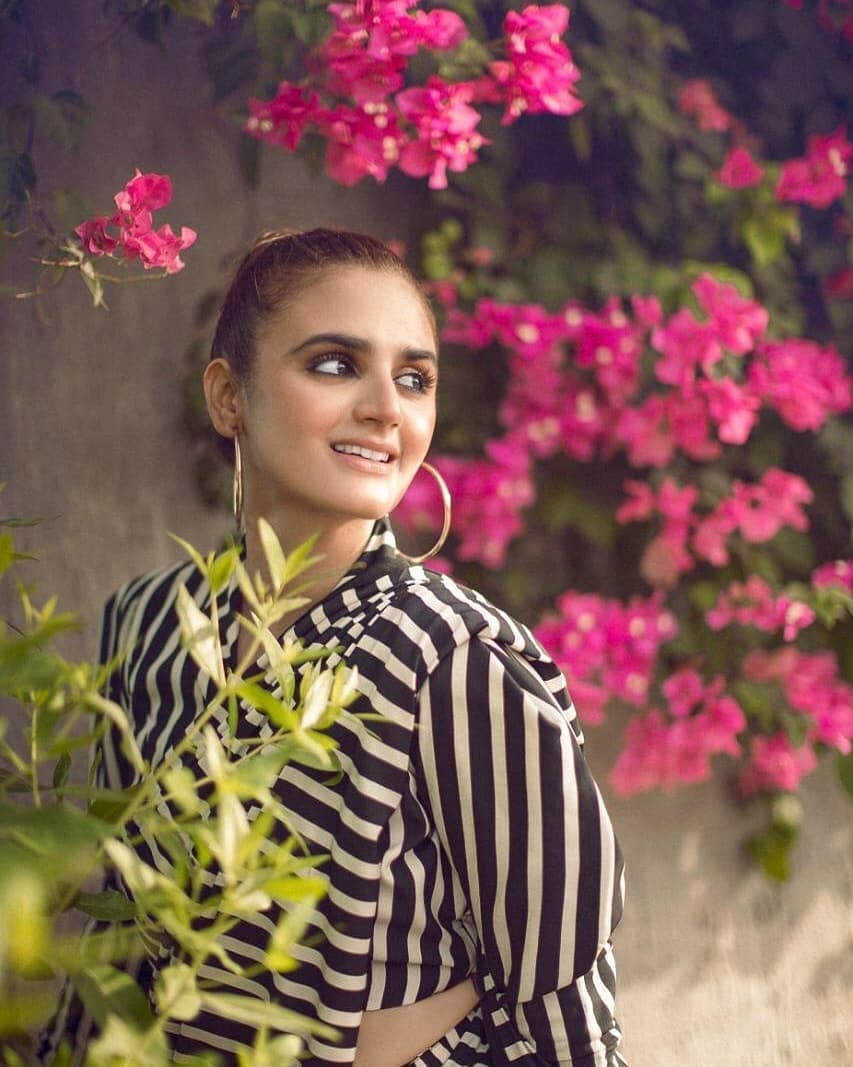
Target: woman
{"type": "Point", "coordinates": [473, 876]}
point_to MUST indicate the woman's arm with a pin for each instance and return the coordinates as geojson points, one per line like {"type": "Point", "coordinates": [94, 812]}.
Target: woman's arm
{"type": "Point", "coordinates": [524, 825]}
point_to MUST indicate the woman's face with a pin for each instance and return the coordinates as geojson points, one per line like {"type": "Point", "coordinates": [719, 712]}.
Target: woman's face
{"type": "Point", "coordinates": [340, 409]}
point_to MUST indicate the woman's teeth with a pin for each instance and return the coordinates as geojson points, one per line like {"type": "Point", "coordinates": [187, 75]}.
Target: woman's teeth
{"type": "Point", "coordinates": [357, 450]}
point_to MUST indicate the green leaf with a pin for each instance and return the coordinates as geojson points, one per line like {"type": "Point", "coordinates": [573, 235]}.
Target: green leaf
{"type": "Point", "coordinates": [199, 636]}
{"type": "Point", "coordinates": [108, 906]}
{"type": "Point", "coordinates": [7, 551]}
{"type": "Point", "coordinates": [61, 770]}
{"type": "Point", "coordinates": [176, 992]}
{"type": "Point", "coordinates": [25, 1012]}
{"type": "Point", "coordinates": [62, 117]}
{"type": "Point", "coordinates": [844, 770]}
{"type": "Point", "coordinates": [93, 283]}
{"type": "Point", "coordinates": [260, 1013]}
{"type": "Point", "coordinates": [122, 1043]}
{"type": "Point", "coordinates": [107, 991]}
{"type": "Point", "coordinates": [771, 850]}
{"type": "Point", "coordinates": [222, 568]}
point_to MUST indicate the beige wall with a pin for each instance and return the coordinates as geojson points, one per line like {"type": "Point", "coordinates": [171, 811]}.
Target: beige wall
{"type": "Point", "coordinates": [717, 967]}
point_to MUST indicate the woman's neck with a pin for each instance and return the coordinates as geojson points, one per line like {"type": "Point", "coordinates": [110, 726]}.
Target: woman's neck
{"type": "Point", "coordinates": [336, 548]}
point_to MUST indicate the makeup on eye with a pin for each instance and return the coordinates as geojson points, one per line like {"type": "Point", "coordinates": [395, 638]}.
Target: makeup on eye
{"type": "Point", "coordinates": [344, 364]}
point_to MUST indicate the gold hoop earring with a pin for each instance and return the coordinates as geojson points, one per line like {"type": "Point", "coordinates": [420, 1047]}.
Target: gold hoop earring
{"type": "Point", "coordinates": [237, 493]}
{"type": "Point", "coordinates": [445, 528]}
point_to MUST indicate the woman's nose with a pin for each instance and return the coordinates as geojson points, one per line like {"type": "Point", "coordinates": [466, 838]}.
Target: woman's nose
{"type": "Point", "coordinates": [378, 400]}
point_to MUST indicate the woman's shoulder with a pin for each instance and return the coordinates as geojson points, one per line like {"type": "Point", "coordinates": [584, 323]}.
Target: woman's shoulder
{"type": "Point", "coordinates": [446, 613]}
{"type": "Point", "coordinates": [160, 585]}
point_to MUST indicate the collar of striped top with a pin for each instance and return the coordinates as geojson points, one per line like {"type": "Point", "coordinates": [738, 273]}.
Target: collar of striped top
{"type": "Point", "coordinates": [379, 567]}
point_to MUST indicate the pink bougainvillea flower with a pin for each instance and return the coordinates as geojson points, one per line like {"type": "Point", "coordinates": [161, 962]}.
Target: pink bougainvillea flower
{"type": "Point", "coordinates": [645, 432]}
{"type": "Point", "coordinates": [159, 248]}
{"type": "Point", "coordinates": [685, 345]}
{"type": "Point", "coordinates": [838, 573]}
{"type": "Point", "coordinates": [739, 323]}
{"type": "Point", "coordinates": [697, 98]}
{"type": "Point", "coordinates": [362, 141]}
{"type": "Point", "coordinates": [662, 752]}
{"type": "Point", "coordinates": [732, 407]}
{"type": "Point", "coordinates": [135, 237]}
{"type": "Point", "coordinates": [802, 381]}
{"type": "Point", "coordinates": [760, 510]}
{"type": "Point", "coordinates": [775, 764]}
{"type": "Point", "coordinates": [820, 177]}
{"type": "Point", "coordinates": [753, 603]}
{"type": "Point", "coordinates": [446, 134]}
{"type": "Point", "coordinates": [739, 170]}
{"type": "Point", "coordinates": [386, 28]}
{"type": "Point", "coordinates": [93, 234]}
{"type": "Point", "coordinates": [611, 349]}
{"type": "Point", "coordinates": [144, 193]}
{"type": "Point", "coordinates": [284, 119]}
{"type": "Point", "coordinates": [608, 646]}
{"type": "Point", "coordinates": [539, 74]}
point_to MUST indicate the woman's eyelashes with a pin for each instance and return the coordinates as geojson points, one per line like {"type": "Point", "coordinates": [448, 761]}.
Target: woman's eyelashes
{"type": "Point", "coordinates": [341, 365]}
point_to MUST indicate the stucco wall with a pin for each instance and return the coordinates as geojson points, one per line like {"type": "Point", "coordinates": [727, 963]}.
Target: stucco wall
{"type": "Point", "coordinates": [717, 967]}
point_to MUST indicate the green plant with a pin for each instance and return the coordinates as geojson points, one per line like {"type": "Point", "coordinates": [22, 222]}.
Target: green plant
{"type": "Point", "coordinates": [66, 845]}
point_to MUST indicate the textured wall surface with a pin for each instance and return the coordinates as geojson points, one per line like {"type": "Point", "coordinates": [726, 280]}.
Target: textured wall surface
{"type": "Point", "coordinates": [717, 967]}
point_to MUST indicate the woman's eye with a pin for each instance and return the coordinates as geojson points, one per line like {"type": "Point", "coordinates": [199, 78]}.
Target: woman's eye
{"type": "Point", "coordinates": [413, 379]}
{"type": "Point", "coordinates": [333, 365]}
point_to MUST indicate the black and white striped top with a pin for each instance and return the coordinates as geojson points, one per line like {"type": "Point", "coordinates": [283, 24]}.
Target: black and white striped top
{"type": "Point", "coordinates": [465, 837]}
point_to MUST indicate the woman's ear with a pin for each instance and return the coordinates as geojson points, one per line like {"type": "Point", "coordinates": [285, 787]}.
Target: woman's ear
{"type": "Point", "coordinates": [223, 394]}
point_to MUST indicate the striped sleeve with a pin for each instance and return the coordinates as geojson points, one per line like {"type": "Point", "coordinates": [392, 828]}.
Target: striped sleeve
{"type": "Point", "coordinates": [524, 825]}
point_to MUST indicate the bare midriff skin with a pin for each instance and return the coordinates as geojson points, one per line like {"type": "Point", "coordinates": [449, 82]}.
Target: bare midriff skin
{"type": "Point", "coordinates": [392, 1037]}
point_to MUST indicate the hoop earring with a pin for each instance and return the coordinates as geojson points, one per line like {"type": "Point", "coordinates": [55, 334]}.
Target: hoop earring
{"type": "Point", "coordinates": [237, 492]}
{"type": "Point", "coordinates": [445, 528]}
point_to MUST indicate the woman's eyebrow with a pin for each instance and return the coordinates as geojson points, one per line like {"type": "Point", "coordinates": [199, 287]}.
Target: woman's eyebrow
{"type": "Point", "coordinates": [358, 344]}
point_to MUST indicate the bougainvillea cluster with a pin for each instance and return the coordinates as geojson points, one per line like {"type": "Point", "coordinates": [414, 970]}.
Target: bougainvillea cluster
{"type": "Point", "coordinates": [129, 232]}
{"type": "Point", "coordinates": [357, 94]}
{"type": "Point", "coordinates": [662, 390]}
{"type": "Point", "coordinates": [817, 178]}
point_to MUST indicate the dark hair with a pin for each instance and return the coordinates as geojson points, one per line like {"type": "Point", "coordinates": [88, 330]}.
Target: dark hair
{"type": "Point", "coordinates": [274, 270]}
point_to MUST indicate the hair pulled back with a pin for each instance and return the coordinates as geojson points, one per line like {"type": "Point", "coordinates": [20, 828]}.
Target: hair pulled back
{"type": "Point", "coordinates": [277, 266]}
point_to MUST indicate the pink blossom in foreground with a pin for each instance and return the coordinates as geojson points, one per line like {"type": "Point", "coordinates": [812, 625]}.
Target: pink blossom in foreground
{"type": "Point", "coordinates": [534, 401]}
{"type": "Point", "coordinates": [739, 170]}
{"type": "Point", "coordinates": [753, 603]}
{"type": "Point", "coordinates": [665, 557]}
{"type": "Point", "coordinates": [386, 28]}
{"type": "Point", "coordinates": [663, 750]}
{"type": "Point", "coordinates": [539, 74]}
{"type": "Point", "coordinates": [732, 407]}
{"type": "Point", "coordinates": [133, 235]}
{"type": "Point", "coordinates": [811, 685]}
{"type": "Point", "coordinates": [445, 126]}
{"type": "Point", "coordinates": [605, 648]}
{"type": "Point", "coordinates": [284, 119]}
{"type": "Point", "coordinates": [608, 345]}
{"type": "Point", "coordinates": [775, 764]}
{"type": "Point", "coordinates": [362, 141]}
{"type": "Point", "coordinates": [738, 323]}
{"type": "Point", "coordinates": [488, 498]}
{"type": "Point", "coordinates": [802, 381]}
{"type": "Point", "coordinates": [820, 177]}
{"type": "Point", "coordinates": [838, 572]}
{"type": "Point", "coordinates": [585, 420]}
{"type": "Point", "coordinates": [757, 511]}
{"type": "Point", "coordinates": [645, 432]}
{"type": "Point", "coordinates": [697, 98]}
{"type": "Point", "coordinates": [685, 346]}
